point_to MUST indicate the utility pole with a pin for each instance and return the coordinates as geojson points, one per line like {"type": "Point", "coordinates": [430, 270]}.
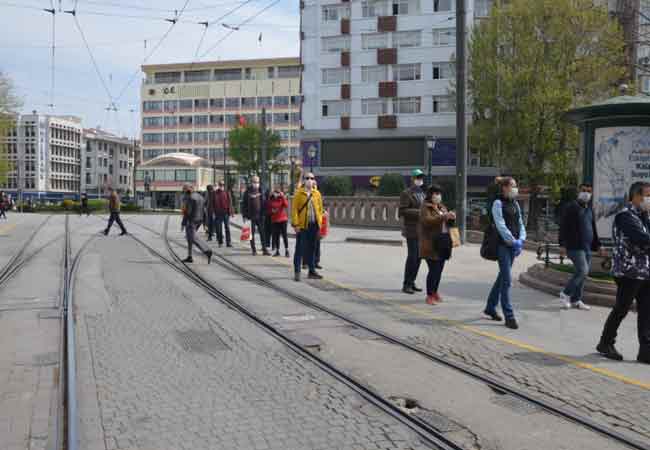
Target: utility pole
{"type": "Point", "coordinates": [225, 175]}
{"type": "Point", "coordinates": [461, 124]}
{"type": "Point", "coordinates": [263, 162]}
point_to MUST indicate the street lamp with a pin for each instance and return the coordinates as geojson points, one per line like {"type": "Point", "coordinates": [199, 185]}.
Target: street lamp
{"type": "Point", "coordinates": [431, 144]}
{"type": "Point", "coordinates": [292, 160]}
{"type": "Point", "coordinates": [311, 152]}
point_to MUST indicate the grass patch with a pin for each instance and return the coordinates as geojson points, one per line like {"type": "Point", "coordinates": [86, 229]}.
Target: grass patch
{"type": "Point", "coordinates": [604, 277]}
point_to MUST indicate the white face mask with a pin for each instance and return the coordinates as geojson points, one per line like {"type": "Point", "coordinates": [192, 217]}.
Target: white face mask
{"type": "Point", "coordinates": [514, 192]}
{"type": "Point", "coordinates": [645, 205]}
{"type": "Point", "coordinates": [256, 185]}
{"type": "Point", "coordinates": [436, 199]}
{"type": "Point", "coordinates": [418, 182]}
{"type": "Point", "coordinates": [584, 197]}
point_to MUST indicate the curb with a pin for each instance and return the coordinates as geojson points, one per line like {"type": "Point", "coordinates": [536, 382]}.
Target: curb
{"type": "Point", "coordinates": [389, 242]}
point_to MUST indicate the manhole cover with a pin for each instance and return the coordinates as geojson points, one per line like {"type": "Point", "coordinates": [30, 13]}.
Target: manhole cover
{"type": "Point", "coordinates": [516, 404]}
{"type": "Point", "coordinates": [200, 341]}
{"type": "Point", "coordinates": [438, 421]}
{"type": "Point", "coordinates": [46, 359]}
{"type": "Point", "coordinates": [298, 317]}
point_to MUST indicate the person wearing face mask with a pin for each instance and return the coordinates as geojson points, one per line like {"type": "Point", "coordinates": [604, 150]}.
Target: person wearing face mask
{"type": "Point", "coordinates": [511, 232]}
{"type": "Point", "coordinates": [277, 210]}
{"type": "Point", "coordinates": [254, 209]}
{"type": "Point", "coordinates": [306, 220]}
{"type": "Point", "coordinates": [432, 226]}
{"type": "Point", "coordinates": [631, 270]}
{"type": "Point", "coordinates": [578, 238]}
{"type": "Point", "coordinates": [222, 212]}
{"type": "Point", "coordinates": [410, 202]}
{"type": "Point", "coordinates": [192, 218]}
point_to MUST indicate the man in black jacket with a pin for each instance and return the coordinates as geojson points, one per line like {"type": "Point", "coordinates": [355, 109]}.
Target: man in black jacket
{"type": "Point", "coordinates": [631, 269]}
{"type": "Point", "coordinates": [578, 238]}
{"type": "Point", "coordinates": [254, 209]}
{"type": "Point", "coordinates": [410, 202]}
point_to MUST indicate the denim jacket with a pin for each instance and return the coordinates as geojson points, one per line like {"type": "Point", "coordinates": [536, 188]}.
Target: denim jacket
{"type": "Point", "coordinates": [631, 234]}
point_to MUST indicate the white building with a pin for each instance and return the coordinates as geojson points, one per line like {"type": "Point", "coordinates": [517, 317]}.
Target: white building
{"type": "Point", "coordinates": [376, 83]}
{"type": "Point", "coordinates": [44, 153]}
{"type": "Point", "coordinates": [107, 162]}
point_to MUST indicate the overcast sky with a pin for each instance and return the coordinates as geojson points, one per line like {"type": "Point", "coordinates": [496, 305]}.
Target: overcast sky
{"type": "Point", "coordinates": [117, 44]}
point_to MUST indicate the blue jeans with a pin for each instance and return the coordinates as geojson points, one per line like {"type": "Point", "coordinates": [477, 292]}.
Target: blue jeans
{"type": "Point", "coordinates": [581, 260]}
{"type": "Point", "coordinates": [501, 289]}
{"type": "Point", "coordinates": [306, 248]}
{"type": "Point", "coordinates": [221, 222]}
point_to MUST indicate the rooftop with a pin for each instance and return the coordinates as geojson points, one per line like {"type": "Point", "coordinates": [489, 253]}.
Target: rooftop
{"type": "Point", "coordinates": [176, 159]}
{"type": "Point", "coordinates": [235, 63]}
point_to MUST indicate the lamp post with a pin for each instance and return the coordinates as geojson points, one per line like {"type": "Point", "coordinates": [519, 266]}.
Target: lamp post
{"type": "Point", "coordinates": [431, 144]}
{"type": "Point", "coordinates": [292, 160]}
{"type": "Point", "coordinates": [311, 152]}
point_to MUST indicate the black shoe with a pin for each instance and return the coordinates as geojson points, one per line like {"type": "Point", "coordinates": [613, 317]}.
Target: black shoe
{"type": "Point", "coordinates": [304, 266]}
{"type": "Point", "coordinates": [609, 351]}
{"type": "Point", "coordinates": [220, 245]}
{"type": "Point", "coordinates": [408, 290]}
{"type": "Point", "coordinates": [105, 232]}
{"type": "Point", "coordinates": [296, 276]}
{"type": "Point", "coordinates": [314, 276]}
{"type": "Point", "coordinates": [229, 245]}
{"type": "Point", "coordinates": [286, 253]}
{"type": "Point", "coordinates": [512, 324]}
{"type": "Point", "coordinates": [209, 238]}
{"type": "Point", "coordinates": [254, 252]}
{"type": "Point", "coordinates": [188, 260]}
{"type": "Point", "coordinates": [416, 289]}
{"type": "Point", "coordinates": [493, 315]}
{"type": "Point", "coordinates": [277, 253]}
{"type": "Point", "coordinates": [318, 266]}
{"type": "Point", "coordinates": [209, 256]}
{"type": "Point", "coordinates": [123, 233]}
{"type": "Point", "coordinates": [644, 357]}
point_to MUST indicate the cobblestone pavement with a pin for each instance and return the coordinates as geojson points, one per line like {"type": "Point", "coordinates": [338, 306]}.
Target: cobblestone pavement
{"type": "Point", "coordinates": [163, 366]}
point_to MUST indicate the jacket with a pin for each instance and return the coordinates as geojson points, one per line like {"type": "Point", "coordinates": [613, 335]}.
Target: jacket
{"type": "Point", "coordinates": [570, 231]}
{"type": "Point", "coordinates": [114, 203]}
{"type": "Point", "coordinates": [300, 209]}
{"type": "Point", "coordinates": [631, 234]}
{"type": "Point", "coordinates": [508, 221]}
{"type": "Point", "coordinates": [409, 211]}
{"type": "Point", "coordinates": [429, 227]}
{"type": "Point", "coordinates": [222, 204]}
{"type": "Point", "coordinates": [277, 208]}
{"type": "Point", "coordinates": [193, 209]}
{"type": "Point", "coordinates": [247, 212]}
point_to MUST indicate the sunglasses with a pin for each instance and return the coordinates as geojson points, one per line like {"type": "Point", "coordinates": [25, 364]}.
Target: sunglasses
{"type": "Point", "coordinates": [310, 178]}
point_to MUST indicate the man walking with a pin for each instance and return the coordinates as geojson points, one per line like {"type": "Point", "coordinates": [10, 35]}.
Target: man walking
{"type": "Point", "coordinates": [254, 209]}
{"type": "Point", "coordinates": [84, 205]}
{"type": "Point", "coordinates": [631, 269]}
{"type": "Point", "coordinates": [209, 211]}
{"type": "Point", "coordinates": [222, 211]}
{"type": "Point", "coordinates": [114, 206]}
{"type": "Point", "coordinates": [306, 220]}
{"type": "Point", "coordinates": [192, 218]}
{"type": "Point", "coordinates": [410, 202]}
{"type": "Point", "coordinates": [578, 238]}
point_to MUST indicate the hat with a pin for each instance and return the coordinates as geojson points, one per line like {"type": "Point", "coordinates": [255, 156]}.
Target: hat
{"type": "Point", "coordinates": [417, 173]}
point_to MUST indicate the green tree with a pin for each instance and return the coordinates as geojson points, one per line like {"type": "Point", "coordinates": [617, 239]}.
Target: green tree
{"type": "Point", "coordinates": [529, 64]}
{"type": "Point", "coordinates": [337, 186]}
{"type": "Point", "coordinates": [391, 184]}
{"type": "Point", "coordinates": [9, 104]}
{"type": "Point", "coordinates": [245, 148]}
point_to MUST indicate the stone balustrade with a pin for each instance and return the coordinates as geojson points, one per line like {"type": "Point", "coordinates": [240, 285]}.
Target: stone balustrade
{"type": "Point", "coordinates": [379, 212]}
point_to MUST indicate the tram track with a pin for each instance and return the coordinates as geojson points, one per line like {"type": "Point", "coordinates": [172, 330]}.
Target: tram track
{"type": "Point", "coordinates": [491, 382]}
{"type": "Point", "coordinates": [17, 260]}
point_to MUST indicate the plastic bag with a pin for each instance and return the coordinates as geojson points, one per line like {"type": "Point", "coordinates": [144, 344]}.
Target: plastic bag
{"type": "Point", "coordinates": [325, 226]}
{"type": "Point", "coordinates": [245, 233]}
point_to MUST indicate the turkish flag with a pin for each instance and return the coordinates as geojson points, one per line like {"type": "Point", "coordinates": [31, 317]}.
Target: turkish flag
{"type": "Point", "coordinates": [242, 120]}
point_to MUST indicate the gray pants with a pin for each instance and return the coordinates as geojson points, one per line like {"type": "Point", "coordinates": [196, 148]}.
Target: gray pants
{"type": "Point", "coordinates": [192, 239]}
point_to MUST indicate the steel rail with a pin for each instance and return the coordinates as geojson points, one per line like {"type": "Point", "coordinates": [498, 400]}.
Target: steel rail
{"type": "Point", "coordinates": [8, 267]}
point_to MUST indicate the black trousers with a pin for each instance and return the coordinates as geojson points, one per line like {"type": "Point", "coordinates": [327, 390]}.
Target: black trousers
{"type": "Point", "coordinates": [280, 229]}
{"type": "Point", "coordinates": [222, 220]}
{"type": "Point", "coordinates": [413, 261]}
{"type": "Point", "coordinates": [627, 291]}
{"type": "Point", "coordinates": [115, 217]}
{"type": "Point", "coordinates": [258, 225]}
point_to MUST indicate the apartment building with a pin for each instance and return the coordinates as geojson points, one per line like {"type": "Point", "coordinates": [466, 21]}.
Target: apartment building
{"type": "Point", "coordinates": [190, 108]}
{"type": "Point", "coordinates": [44, 153]}
{"type": "Point", "coordinates": [377, 76]}
{"type": "Point", "coordinates": [107, 161]}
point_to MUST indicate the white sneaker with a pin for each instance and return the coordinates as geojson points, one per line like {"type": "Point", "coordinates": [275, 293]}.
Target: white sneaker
{"type": "Point", "coordinates": [581, 305]}
{"type": "Point", "coordinates": [565, 301]}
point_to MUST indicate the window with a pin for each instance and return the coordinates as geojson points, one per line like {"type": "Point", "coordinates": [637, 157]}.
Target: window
{"type": "Point", "coordinates": [89, 162]}
{"type": "Point", "coordinates": [335, 108]}
{"type": "Point", "coordinates": [406, 105]}
{"type": "Point", "coordinates": [202, 103]}
{"type": "Point", "coordinates": [295, 118]}
{"type": "Point", "coordinates": [482, 8]}
{"type": "Point", "coordinates": [335, 44]}
{"type": "Point", "coordinates": [406, 72]}
{"type": "Point", "coordinates": [401, 7]}
{"type": "Point", "coordinates": [171, 138]}
{"type": "Point", "coordinates": [216, 103]}
{"type": "Point", "coordinates": [152, 106]}
{"type": "Point", "coordinates": [185, 121]}
{"type": "Point", "coordinates": [442, 104]}
{"type": "Point", "coordinates": [296, 99]}
{"type": "Point", "coordinates": [332, 13]}
{"type": "Point", "coordinates": [186, 174]}
{"type": "Point", "coordinates": [335, 76]}
{"type": "Point", "coordinates": [374, 40]}
{"type": "Point", "coordinates": [152, 138]}
{"type": "Point", "coordinates": [216, 119]}
{"type": "Point", "coordinates": [374, 106]}
{"type": "Point", "coordinates": [407, 39]}
{"type": "Point", "coordinates": [374, 74]}
{"type": "Point", "coordinates": [184, 138]}
{"type": "Point", "coordinates": [167, 77]}
{"type": "Point", "coordinates": [171, 121]}
{"type": "Point", "coordinates": [444, 37]}
{"type": "Point", "coordinates": [446, 5]}
{"type": "Point", "coordinates": [232, 120]}
{"type": "Point", "coordinates": [443, 71]}
{"type": "Point", "coordinates": [185, 104]}
{"type": "Point", "coordinates": [288, 71]}
{"type": "Point", "coordinates": [227, 74]}
{"type": "Point", "coordinates": [201, 137]}
{"type": "Point", "coordinates": [232, 102]}
{"type": "Point", "coordinates": [192, 76]}
{"type": "Point", "coordinates": [88, 178]}
{"type": "Point", "coordinates": [248, 102]}
{"type": "Point", "coordinates": [271, 73]}
{"type": "Point", "coordinates": [281, 118]}
{"type": "Point", "coordinates": [152, 122]}
{"type": "Point", "coordinates": [201, 121]}
{"type": "Point", "coordinates": [265, 102]}
{"type": "Point", "coordinates": [373, 8]}
{"type": "Point", "coordinates": [281, 101]}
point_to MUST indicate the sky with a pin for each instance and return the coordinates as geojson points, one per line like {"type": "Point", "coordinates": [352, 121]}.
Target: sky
{"type": "Point", "coordinates": [117, 44]}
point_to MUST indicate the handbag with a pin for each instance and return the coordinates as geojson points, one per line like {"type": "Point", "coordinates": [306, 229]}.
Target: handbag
{"type": "Point", "coordinates": [490, 243]}
{"type": "Point", "coordinates": [454, 234]}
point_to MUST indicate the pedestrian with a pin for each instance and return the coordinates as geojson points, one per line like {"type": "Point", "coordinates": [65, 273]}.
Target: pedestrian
{"type": "Point", "coordinates": [277, 208]}
{"type": "Point", "coordinates": [268, 223]}
{"type": "Point", "coordinates": [223, 211]}
{"type": "Point", "coordinates": [253, 209]}
{"type": "Point", "coordinates": [114, 208]}
{"type": "Point", "coordinates": [306, 219]}
{"type": "Point", "coordinates": [434, 243]}
{"type": "Point", "coordinates": [318, 243]}
{"type": "Point", "coordinates": [511, 234]}
{"type": "Point", "coordinates": [84, 205]}
{"type": "Point", "coordinates": [631, 269]}
{"type": "Point", "coordinates": [3, 205]}
{"type": "Point", "coordinates": [410, 202]}
{"type": "Point", "coordinates": [209, 211]}
{"type": "Point", "coordinates": [578, 238]}
{"type": "Point", "coordinates": [192, 218]}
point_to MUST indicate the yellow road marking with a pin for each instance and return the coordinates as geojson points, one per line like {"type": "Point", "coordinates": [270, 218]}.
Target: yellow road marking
{"type": "Point", "coordinates": [6, 228]}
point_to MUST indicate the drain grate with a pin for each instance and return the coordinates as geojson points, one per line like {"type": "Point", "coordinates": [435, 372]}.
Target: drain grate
{"type": "Point", "coordinates": [200, 341]}
{"type": "Point", "coordinates": [516, 404]}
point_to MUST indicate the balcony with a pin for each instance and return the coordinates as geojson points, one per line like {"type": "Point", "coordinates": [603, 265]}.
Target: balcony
{"type": "Point", "coordinates": [345, 91]}
{"type": "Point", "coordinates": [387, 122]}
{"type": "Point", "coordinates": [345, 123]}
{"type": "Point", "coordinates": [387, 89]}
{"type": "Point", "coordinates": [386, 56]}
{"type": "Point", "coordinates": [345, 59]}
{"type": "Point", "coordinates": [386, 24]}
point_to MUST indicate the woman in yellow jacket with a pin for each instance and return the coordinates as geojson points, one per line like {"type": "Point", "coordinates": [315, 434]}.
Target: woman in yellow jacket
{"type": "Point", "coordinates": [306, 219]}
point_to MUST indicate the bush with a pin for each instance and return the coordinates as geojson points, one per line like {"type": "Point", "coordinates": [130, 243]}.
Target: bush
{"type": "Point", "coordinates": [130, 207]}
{"type": "Point", "coordinates": [97, 204]}
{"type": "Point", "coordinates": [391, 185]}
{"type": "Point", "coordinates": [68, 204]}
{"type": "Point", "coordinates": [337, 186]}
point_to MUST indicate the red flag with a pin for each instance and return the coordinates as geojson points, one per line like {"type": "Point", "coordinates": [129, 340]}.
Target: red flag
{"type": "Point", "coordinates": [242, 120]}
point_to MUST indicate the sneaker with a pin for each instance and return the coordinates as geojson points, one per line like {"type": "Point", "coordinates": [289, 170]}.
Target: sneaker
{"type": "Point", "coordinates": [209, 255]}
{"type": "Point", "coordinates": [512, 324]}
{"type": "Point", "coordinates": [296, 276]}
{"type": "Point", "coordinates": [123, 233]}
{"type": "Point", "coordinates": [416, 289]}
{"type": "Point", "coordinates": [580, 305]}
{"type": "Point", "coordinates": [229, 245]}
{"type": "Point", "coordinates": [314, 276]}
{"type": "Point", "coordinates": [188, 260]}
{"type": "Point", "coordinates": [609, 351]}
{"type": "Point", "coordinates": [437, 297]}
{"type": "Point", "coordinates": [565, 301]}
{"type": "Point", "coordinates": [408, 290]}
{"type": "Point", "coordinates": [493, 315]}
{"type": "Point", "coordinates": [318, 266]}
{"type": "Point", "coordinates": [105, 232]}
{"type": "Point", "coordinates": [431, 300]}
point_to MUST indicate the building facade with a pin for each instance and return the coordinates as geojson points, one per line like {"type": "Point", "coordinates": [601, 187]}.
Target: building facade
{"type": "Point", "coordinates": [377, 80]}
{"type": "Point", "coordinates": [44, 154]}
{"type": "Point", "coordinates": [191, 108]}
{"type": "Point", "coordinates": [107, 161]}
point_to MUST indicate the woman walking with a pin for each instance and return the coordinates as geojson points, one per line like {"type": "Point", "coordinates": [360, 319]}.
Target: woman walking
{"type": "Point", "coordinates": [277, 210]}
{"type": "Point", "coordinates": [434, 240]}
{"type": "Point", "coordinates": [511, 234]}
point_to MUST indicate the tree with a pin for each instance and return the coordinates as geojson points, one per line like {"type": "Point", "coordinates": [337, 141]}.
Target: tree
{"type": "Point", "coordinates": [528, 66]}
{"type": "Point", "coordinates": [391, 184]}
{"type": "Point", "coordinates": [336, 186]}
{"type": "Point", "coordinates": [9, 104]}
{"type": "Point", "coordinates": [245, 148]}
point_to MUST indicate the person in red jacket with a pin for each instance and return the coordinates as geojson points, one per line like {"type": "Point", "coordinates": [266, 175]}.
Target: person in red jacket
{"type": "Point", "coordinates": [277, 209]}
{"type": "Point", "coordinates": [222, 212]}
